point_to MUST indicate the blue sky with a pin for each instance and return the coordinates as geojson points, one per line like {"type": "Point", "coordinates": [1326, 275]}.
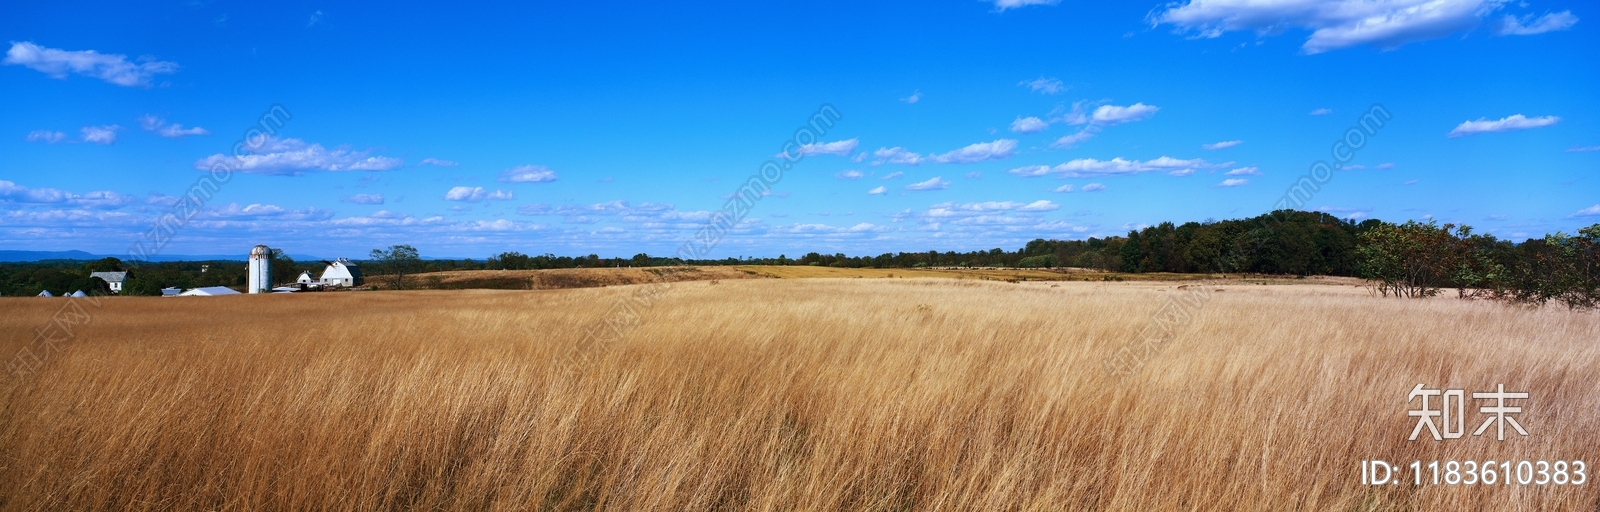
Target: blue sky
{"type": "Point", "coordinates": [615, 129]}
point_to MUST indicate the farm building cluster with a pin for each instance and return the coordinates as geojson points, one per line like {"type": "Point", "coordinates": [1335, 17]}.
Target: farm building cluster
{"type": "Point", "coordinates": [339, 273]}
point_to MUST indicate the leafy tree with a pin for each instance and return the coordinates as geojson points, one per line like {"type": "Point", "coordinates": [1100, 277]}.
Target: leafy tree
{"type": "Point", "coordinates": [395, 262]}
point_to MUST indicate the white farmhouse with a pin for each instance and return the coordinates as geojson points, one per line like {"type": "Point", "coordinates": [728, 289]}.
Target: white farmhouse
{"type": "Point", "coordinates": [115, 279]}
{"type": "Point", "coordinates": [341, 272]}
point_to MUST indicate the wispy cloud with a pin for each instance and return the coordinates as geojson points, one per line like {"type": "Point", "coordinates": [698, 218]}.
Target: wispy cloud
{"type": "Point", "coordinates": [849, 175]}
{"type": "Point", "coordinates": [934, 183]}
{"type": "Point", "coordinates": [1234, 182]}
{"type": "Point", "coordinates": [980, 152]}
{"type": "Point", "coordinates": [171, 131]}
{"type": "Point", "coordinates": [836, 148]}
{"type": "Point", "coordinates": [1093, 187]}
{"type": "Point", "coordinates": [45, 136]}
{"type": "Point", "coordinates": [1221, 145]}
{"type": "Point", "coordinates": [293, 157]}
{"type": "Point", "coordinates": [437, 162]}
{"type": "Point", "coordinates": [1071, 140]}
{"type": "Point", "coordinates": [895, 155]}
{"type": "Point", "coordinates": [1592, 211]}
{"type": "Point", "coordinates": [878, 190]}
{"type": "Point", "coordinates": [101, 134]}
{"type": "Point", "coordinates": [1244, 171]}
{"type": "Point", "coordinates": [1108, 115]}
{"type": "Point", "coordinates": [104, 199]}
{"type": "Point", "coordinates": [1528, 25]}
{"type": "Point", "coordinates": [1322, 111]}
{"type": "Point", "coordinates": [1090, 167]}
{"type": "Point", "coordinates": [1506, 124]}
{"type": "Point", "coordinates": [892, 175]}
{"type": "Point", "coordinates": [473, 194]}
{"type": "Point", "coordinates": [528, 174]}
{"type": "Point", "coordinates": [1003, 5]}
{"type": "Point", "coordinates": [1580, 149]}
{"type": "Point", "coordinates": [116, 69]}
{"type": "Point", "coordinates": [363, 199]}
{"type": "Point", "coordinates": [1044, 85]}
{"type": "Point", "coordinates": [913, 98]}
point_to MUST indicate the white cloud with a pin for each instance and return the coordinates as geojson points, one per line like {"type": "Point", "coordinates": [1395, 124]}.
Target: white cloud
{"type": "Point", "coordinates": [1233, 182]}
{"type": "Point", "coordinates": [982, 151]}
{"type": "Point", "coordinates": [291, 157]}
{"type": "Point", "coordinates": [171, 131]}
{"type": "Point", "coordinates": [972, 175]}
{"type": "Point", "coordinates": [934, 183]}
{"type": "Point", "coordinates": [1044, 85]}
{"type": "Point", "coordinates": [1029, 125]}
{"type": "Point", "coordinates": [1093, 187]}
{"type": "Point", "coordinates": [45, 136]}
{"type": "Point", "coordinates": [1335, 24]}
{"type": "Point", "coordinates": [363, 199]}
{"type": "Point", "coordinates": [1352, 167]}
{"type": "Point", "coordinates": [1039, 206]}
{"type": "Point", "coordinates": [1409, 183]}
{"type": "Point", "coordinates": [1516, 122]}
{"type": "Point", "coordinates": [1527, 26]}
{"type": "Point", "coordinates": [849, 175]}
{"type": "Point", "coordinates": [1322, 111]}
{"type": "Point", "coordinates": [895, 155]}
{"type": "Point", "coordinates": [913, 98]}
{"type": "Point", "coordinates": [1108, 115]}
{"type": "Point", "coordinates": [501, 195]}
{"type": "Point", "coordinates": [104, 199]}
{"type": "Point", "coordinates": [1385, 166]}
{"type": "Point", "coordinates": [1244, 171]}
{"type": "Point", "coordinates": [437, 162]}
{"type": "Point", "coordinates": [101, 134]}
{"type": "Point", "coordinates": [1068, 141]}
{"type": "Point", "coordinates": [257, 211]}
{"type": "Point", "coordinates": [112, 68]}
{"type": "Point", "coordinates": [1089, 167]}
{"type": "Point", "coordinates": [1002, 5]}
{"type": "Point", "coordinates": [528, 174]}
{"type": "Point", "coordinates": [1222, 145]}
{"type": "Point", "coordinates": [1063, 189]}
{"type": "Point", "coordinates": [1583, 149]}
{"type": "Point", "coordinates": [836, 148]}
{"type": "Point", "coordinates": [465, 194]}
{"type": "Point", "coordinates": [892, 175]}
{"type": "Point", "coordinates": [1592, 211]}
{"type": "Point", "coordinates": [878, 191]}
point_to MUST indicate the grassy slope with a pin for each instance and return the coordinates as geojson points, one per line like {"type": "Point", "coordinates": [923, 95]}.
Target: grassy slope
{"type": "Point", "coordinates": [819, 394]}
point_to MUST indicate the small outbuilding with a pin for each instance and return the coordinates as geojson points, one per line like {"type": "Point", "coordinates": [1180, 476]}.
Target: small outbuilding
{"type": "Point", "coordinates": [209, 291]}
{"type": "Point", "coordinates": [46, 293]}
{"type": "Point", "coordinates": [305, 279]}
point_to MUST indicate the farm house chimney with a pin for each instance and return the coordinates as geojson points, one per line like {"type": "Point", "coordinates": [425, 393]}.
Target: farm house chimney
{"type": "Point", "coordinates": [260, 280]}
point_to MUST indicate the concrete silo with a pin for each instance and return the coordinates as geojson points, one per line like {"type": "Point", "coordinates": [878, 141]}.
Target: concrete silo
{"type": "Point", "coordinates": [260, 280]}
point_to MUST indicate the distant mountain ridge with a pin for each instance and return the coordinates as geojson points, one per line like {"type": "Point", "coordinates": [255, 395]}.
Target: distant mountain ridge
{"type": "Point", "coordinates": [27, 256]}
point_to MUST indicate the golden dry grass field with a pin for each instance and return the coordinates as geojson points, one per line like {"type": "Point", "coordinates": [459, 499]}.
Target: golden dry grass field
{"type": "Point", "coordinates": [779, 394]}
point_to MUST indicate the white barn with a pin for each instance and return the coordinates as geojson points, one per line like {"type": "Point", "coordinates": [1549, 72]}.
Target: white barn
{"type": "Point", "coordinates": [209, 291]}
{"type": "Point", "coordinates": [341, 272]}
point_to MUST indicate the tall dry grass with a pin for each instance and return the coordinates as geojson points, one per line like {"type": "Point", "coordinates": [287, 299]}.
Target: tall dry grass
{"type": "Point", "coordinates": [778, 395]}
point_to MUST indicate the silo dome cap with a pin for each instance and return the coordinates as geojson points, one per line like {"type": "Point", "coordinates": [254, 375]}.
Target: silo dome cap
{"type": "Point", "coordinates": [260, 250]}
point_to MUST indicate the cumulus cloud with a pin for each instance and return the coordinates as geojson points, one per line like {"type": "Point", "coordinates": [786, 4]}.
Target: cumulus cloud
{"type": "Point", "coordinates": [45, 136]}
{"type": "Point", "coordinates": [878, 190]}
{"type": "Point", "coordinates": [849, 175]}
{"type": "Point", "coordinates": [1029, 125]}
{"type": "Point", "coordinates": [1108, 115]}
{"type": "Point", "coordinates": [116, 69]}
{"type": "Point", "coordinates": [1592, 211]}
{"type": "Point", "coordinates": [1528, 25]}
{"type": "Point", "coordinates": [171, 131]}
{"type": "Point", "coordinates": [989, 207]}
{"type": "Point", "coordinates": [1233, 182]}
{"type": "Point", "coordinates": [501, 195]}
{"type": "Point", "coordinates": [1334, 24]}
{"type": "Point", "coordinates": [1222, 145]}
{"type": "Point", "coordinates": [982, 151]}
{"type": "Point", "coordinates": [1244, 171]}
{"type": "Point", "coordinates": [1506, 124]}
{"type": "Point", "coordinates": [1044, 85]}
{"type": "Point", "coordinates": [293, 157]}
{"type": "Point", "coordinates": [437, 162]}
{"type": "Point", "coordinates": [1322, 111]}
{"type": "Point", "coordinates": [1090, 167]}
{"type": "Point", "coordinates": [101, 134]}
{"type": "Point", "coordinates": [363, 199]}
{"type": "Point", "coordinates": [18, 194]}
{"type": "Point", "coordinates": [934, 183]}
{"type": "Point", "coordinates": [256, 211]}
{"type": "Point", "coordinates": [895, 155]}
{"type": "Point", "coordinates": [1063, 189]}
{"type": "Point", "coordinates": [528, 174]}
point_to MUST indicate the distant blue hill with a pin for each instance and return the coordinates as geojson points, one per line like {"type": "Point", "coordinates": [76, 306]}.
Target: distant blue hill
{"type": "Point", "coordinates": [10, 256]}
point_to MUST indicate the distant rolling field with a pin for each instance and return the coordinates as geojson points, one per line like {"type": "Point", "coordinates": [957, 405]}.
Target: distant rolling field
{"type": "Point", "coordinates": [779, 394]}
